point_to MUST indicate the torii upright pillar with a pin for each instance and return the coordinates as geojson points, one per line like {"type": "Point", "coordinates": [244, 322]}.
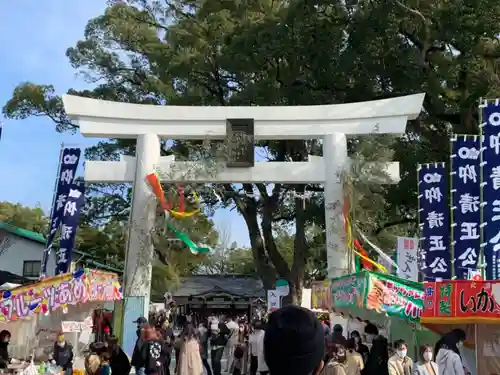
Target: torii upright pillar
{"type": "Point", "coordinates": [147, 124]}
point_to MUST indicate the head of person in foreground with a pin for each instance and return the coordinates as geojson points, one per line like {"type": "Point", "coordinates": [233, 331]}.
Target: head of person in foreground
{"type": "Point", "coordinates": [294, 342]}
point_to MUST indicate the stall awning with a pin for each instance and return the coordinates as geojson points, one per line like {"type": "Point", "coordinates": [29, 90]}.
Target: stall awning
{"type": "Point", "coordinates": [462, 302]}
{"type": "Point", "coordinates": [58, 292]}
{"type": "Point", "coordinates": [372, 296]}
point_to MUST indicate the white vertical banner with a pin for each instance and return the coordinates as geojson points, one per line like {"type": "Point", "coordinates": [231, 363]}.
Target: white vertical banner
{"type": "Point", "coordinates": [273, 300]}
{"type": "Point", "coordinates": [306, 298]}
{"type": "Point", "coordinates": [407, 254]}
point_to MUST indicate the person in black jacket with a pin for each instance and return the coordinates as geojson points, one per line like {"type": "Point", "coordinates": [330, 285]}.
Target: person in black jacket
{"type": "Point", "coordinates": [359, 347]}
{"type": "Point", "coordinates": [119, 361]}
{"type": "Point", "coordinates": [218, 342]}
{"type": "Point", "coordinates": [168, 338]}
{"type": "Point", "coordinates": [4, 352]}
{"type": "Point", "coordinates": [63, 354]}
{"type": "Point", "coordinates": [378, 357]}
{"type": "Point", "coordinates": [152, 353]}
{"type": "Point", "coordinates": [137, 358]}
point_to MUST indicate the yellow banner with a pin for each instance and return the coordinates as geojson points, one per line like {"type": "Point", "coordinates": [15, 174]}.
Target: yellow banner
{"type": "Point", "coordinates": [321, 295]}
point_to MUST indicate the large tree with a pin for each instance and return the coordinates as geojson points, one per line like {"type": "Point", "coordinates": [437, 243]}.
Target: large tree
{"type": "Point", "coordinates": [277, 52]}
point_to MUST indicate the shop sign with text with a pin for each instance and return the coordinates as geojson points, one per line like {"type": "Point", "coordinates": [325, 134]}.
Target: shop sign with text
{"type": "Point", "coordinates": [462, 300]}
{"type": "Point", "coordinates": [348, 291]}
{"type": "Point", "coordinates": [386, 295]}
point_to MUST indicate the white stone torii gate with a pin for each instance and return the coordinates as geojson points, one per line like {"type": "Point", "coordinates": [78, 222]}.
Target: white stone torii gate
{"type": "Point", "coordinates": [149, 123]}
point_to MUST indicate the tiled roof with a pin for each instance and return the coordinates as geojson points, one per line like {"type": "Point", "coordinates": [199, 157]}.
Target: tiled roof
{"type": "Point", "coordinates": [238, 285]}
{"type": "Point", "coordinates": [90, 260]}
{"type": "Point", "coordinates": [9, 277]}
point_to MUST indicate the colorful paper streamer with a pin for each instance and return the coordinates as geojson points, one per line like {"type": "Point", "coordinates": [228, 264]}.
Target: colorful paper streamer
{"type": "Point", "coordinates": [153, 180]}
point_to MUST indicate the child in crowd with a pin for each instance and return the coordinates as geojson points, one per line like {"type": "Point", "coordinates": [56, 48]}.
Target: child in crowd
{"type": "Point", "coordinates": [105, 368]}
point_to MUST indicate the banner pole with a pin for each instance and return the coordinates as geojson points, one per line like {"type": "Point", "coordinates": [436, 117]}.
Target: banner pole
{"type": "Point", "coordinates": [54, 197]}
{"type": "Point", "coordinates": [481, 260]}
{"type": "Point", "coordinates": [452, 259]}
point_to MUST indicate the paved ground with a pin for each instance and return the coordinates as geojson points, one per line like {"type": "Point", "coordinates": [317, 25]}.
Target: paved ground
{"type": "Point", "coordinates": [80, 363]}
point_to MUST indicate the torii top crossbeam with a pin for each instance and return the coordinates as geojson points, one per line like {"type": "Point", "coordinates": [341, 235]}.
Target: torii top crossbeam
{"type": "Point", "coordinates": [106, 119]}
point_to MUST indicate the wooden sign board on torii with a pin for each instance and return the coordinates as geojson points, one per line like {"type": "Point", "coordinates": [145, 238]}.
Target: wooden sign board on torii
{"type": "Point", "coordinates": [148, 124]}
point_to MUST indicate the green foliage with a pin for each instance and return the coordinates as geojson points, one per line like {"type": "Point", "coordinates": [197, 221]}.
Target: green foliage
{"type": "Point", "coordinates": [263, 52]}
{"type": "Point", "coordinates": [32, 219]}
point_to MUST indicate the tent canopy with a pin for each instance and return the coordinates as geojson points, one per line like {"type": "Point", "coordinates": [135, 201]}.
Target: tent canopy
{"type": "Point", "coordinates": [9, 277]}
{"type": "Point", "coordinates": [373, 296]}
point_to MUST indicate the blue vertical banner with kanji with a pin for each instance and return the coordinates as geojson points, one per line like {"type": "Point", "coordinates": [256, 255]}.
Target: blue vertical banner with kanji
{"type": "Point", "coordinates": [68, 164]}
{"type": "Point", "coordinates": [465, 203]}
{"type": "Point", "coordinates": [69, 223]}
{"type": "Point", "coordinates": [434, 221]}
{"type": "Point", "coordinates": [491, 188]}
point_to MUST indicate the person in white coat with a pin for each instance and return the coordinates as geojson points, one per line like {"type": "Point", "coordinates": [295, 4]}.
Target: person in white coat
{"type": "Point", "coordinates": [448, 358]}
{"type": "Point", "coordinates": [262, 368]}
{"type": "Point", "coordinates": [426, 365]}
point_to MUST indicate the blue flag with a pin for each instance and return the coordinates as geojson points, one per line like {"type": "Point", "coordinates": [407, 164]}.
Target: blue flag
{"type": "Point", "coordinates": [70, 158]}
{"type": "Point", "coordinates": [70, 214]}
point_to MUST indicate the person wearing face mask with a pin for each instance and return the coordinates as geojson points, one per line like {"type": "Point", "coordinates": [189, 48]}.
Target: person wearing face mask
{"type": "Point", "coordinates": [338, 360]}
{"type": "Point", "coordinates": [359, 347]}
{"type": "Point", "coordinates": [253, 343]}
{"type": "Point", "coordinates": [204, 334]}
{"type": "Point", "coordinates": [167, 334]}
{"type": "Point", "coordinates": [400, 363]}
{"type": "Point", "coordinates": [4, 352]}
{"type": "Point", "coordinates": [448, 357]}
{"type": "Point", "coordinates": [63, 354]}
{"type": "Point", "coordinates": [242, 344]}
{"type": "Point", "coordinates": [233, 328]}
{"type": "Point", "coordinates": [220, 335]}
{"type": "Point", "coordinates": [426, 366]}
{"type": "Point", "coordinates": [354, 364]}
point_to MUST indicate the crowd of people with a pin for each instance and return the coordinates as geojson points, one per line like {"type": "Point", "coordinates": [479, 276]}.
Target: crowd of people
{"type": "Point", "coordinates": [292, 342]}
{"type": "Point", "coordinates": [376, 356]}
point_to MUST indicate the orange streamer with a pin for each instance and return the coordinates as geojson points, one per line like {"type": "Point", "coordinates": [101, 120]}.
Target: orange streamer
{"type": "Point", "coordinates": [154, 182]}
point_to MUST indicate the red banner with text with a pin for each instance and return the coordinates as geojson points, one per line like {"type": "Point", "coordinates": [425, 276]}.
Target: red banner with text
{"type": "Point", "coordinates": [461, 301]}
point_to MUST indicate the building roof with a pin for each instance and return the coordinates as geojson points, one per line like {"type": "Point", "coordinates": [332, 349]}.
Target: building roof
{"type": "Point", "coordinates": [238, 285]}
{"type": "Point", "coordinates": [9, 277]}
{"type": "Point", "coordinates": [90, 260]}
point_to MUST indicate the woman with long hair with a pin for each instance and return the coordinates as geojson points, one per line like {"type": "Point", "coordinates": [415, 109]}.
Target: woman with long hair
{"type": "Point", "coordinates": [239, 363]}
{"type": "Point", "coordinates": [204, 334]}
{"type": "Point", "coordinates": [119, 362]}
{"type": "Point", "coordinates": [253, 342]}
{"type": "Point", "coordinates": [4, 352]}
{"type": "Point", "coordinates": [359, 347]}
{"type": "Point", "coordinates": [378, 357]}
{"type": "Point", "coordinates": [189, 354]}
{"type": "Point", "coordinates": [448, 357]}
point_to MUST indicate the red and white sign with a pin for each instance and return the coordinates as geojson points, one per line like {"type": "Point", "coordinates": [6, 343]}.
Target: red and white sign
{"type": "Point", "coordinates": [407, 256]}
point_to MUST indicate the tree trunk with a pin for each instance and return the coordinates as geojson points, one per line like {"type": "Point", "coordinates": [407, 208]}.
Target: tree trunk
{"type": "Point", "coordinates": [248, 209]}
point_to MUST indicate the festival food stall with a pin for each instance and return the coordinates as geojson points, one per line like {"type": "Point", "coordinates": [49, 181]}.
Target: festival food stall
{"type": "Point", "coordinates": [35, 313]}
{"type": "Point", "coordinates": [369, 296]}
{"type": "Point", "coordinates": [473, 306]}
